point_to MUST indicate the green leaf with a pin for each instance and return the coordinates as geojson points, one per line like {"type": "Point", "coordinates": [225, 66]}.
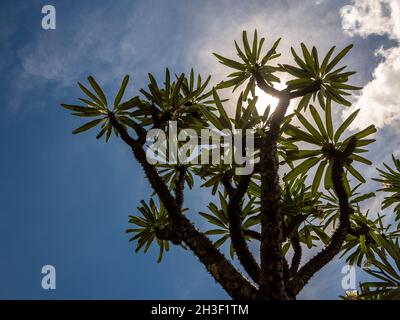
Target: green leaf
{"type": "Point", "coordinates": [363, 197]}
{"type": "Point", "coordinates": [101, 132]}
{"type": "Point", "coordinates": [247, 47]}
{"type": "Point", "coordinates": [355, 173]}
{"type": "Point", "coordinates": [364, 142]}
{"type": "Point", "coordinates": [344, 86]}
{"type": "Point", "coordinates": [215, 232]}
{"type": "Point", "coordinates": [307, 57]}
{"type": "Point", "coordinates": [81, 109]}
{"type": "Point", "coordinates": [314, 53]}
{"type": "Point", "coordinates": [250, 87]}
{"type": "Point", "coordinates": [301, 135]}
{"type": "Point", "coordinates": [177, 88]}
{"type": "Point", "coordinates": [366, 132]}
{"type": "Point", "coordinates": [221, 241]}
{"type": "Point", "coordinates": [271, 52]}
{"type": "Point", "coordinates": [212, 118]}
{"type": "Point", "coordinates": [307, 237]}
{"type": "Point", "coordinates": [345, 125]}
{"type": "Point", "coordinates": [109, 131]}
{"type": "Point", "coordinates": [224, 117]}
{"type": "Point", "coordinates": [230, 63]}
{"type": "Point", "coordinates": [318, 177]}
{"type": "Point", "coordinates": [91, 95]}
{"type": "Point", "coordinates": [238, 112]}
{"type": "Point", "coordinates": [161, 245]}
{"type": "Point", "coordinates": [326, 60]}
{"type": "Point", "coordinates": [297, 72]}
{"type": "Point", "coordinates": [300, 154]}
{"type": "Point", "coordinates": [360, 159]}
{"type": "Point", "coordinates": [191, 80]}
{"type": "Point", "coordinates": [248, 111]}
{"type": "Point", "coordinates": [255, 43]}
{"type": "Point", "coordinates": [300, 83]}
{"type": "Point", "coordinates": [240, 53]}
{"type": "Point", "coordinates": [90, 103]}
{"type": "Point", "coordinates": [121, 91]}
{"type": "Point", "coordinates": [304, 102]}
{"type": "Point", "coordinates": [260, 47]}
{"type": "Point", "coordinates": [134, 102]}
{"type": "Point", "coordinates": [362, 244]}
{"type": "Point", "coordinates": [98, 90]}
{"type": "Point", "coordinates": [339, 57]}
{"type": "Point", "coordinates": [309, 127]}
{"type": "Point", "coordinates": [328, 119]}
{"type": "Point", "coordinates": [232, 82]}
{"type": "Point", "coordinates": [328, 177]}
{"type": "Point", "coordinates": [321, 234]}
{"type": "Point", "coordinates": [87, 126]}
{"type": "Point", "coordinates": [301, 168]}
{"type": "Point", "coordinates": [319, 123]}
{"type": "Point", "coordinates": [297, 59]}
{"type": "Point", "coordinates": [331, 93]}
{"type": "Point", "coordinates": [212, 219]}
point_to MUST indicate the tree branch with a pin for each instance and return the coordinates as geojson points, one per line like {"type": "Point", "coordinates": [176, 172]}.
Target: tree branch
{"type": "Point", "coordinates": [267, 88]}
{"type": "Point", "coordinates": [272, 259]}
{"type": "Point", "coordinates": [140, 132]}
{"type": "Point", "coordinates": [229, 188]}
{"type": "Point", "coordinates": [286, 271]}
{"type": "Point", "coordinates": [296, 255]}
{"type": "Point", "coordinates": [236, 232]}
{"type": "Point", "coordinates": [285, 93]}
{"type": "Point", "coordinates": [286, 230]}
{"type": "Point", "coordinates": [235, 226]}
{"type": "Point", "coordinates": [359, 231]}
{"type": "Point", "coordinates": [301, 93]}
{"type": "Point", "coordinates": [219, 267]}
{"type": "Point", "coordinates": [179, 186]}
{"type": "Point", "coordinates": [339, 236]}
{"type": "Point", "coordinates": [293, 225]}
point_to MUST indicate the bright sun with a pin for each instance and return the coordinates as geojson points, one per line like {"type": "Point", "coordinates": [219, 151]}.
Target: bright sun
{"type": "Point", "coordinates": [265, 99]}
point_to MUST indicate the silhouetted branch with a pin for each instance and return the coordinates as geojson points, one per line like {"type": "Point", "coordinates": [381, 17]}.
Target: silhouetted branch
{"type": "Point", "coordinates": [296, 255]}
{"type": "Point", "coordinates": [235, 226]}
{"type": "Point", "coordinates": [267, 88]}
{"type": "Point", "coordinates": [219, 267]}
{"type": "Point", "coordinates": [293, 225]}
{"type": "Point", "coordinates": [285, 94]}
{"type": "Point", "coordinates": [339, 236]}
{"type": "Point", "coordinates": [272, 259]}
{"type": "Point", "coordinates": [179, 185]}
{"type": "Point", "coordinates": [301, 93]}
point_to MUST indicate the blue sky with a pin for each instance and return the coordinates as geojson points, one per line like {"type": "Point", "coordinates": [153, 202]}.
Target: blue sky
{"type": "Point", "coordinates": [65, 200]}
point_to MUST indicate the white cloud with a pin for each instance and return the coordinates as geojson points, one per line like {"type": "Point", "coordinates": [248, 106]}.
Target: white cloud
{"type": "Point", "coordinates": [379, 99]}
{"type": "Point", "coordinates": [368, 17]}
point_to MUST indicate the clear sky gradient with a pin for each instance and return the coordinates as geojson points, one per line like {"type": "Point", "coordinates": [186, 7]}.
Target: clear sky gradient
{"type": "Point", "coordinates": [64, 199]}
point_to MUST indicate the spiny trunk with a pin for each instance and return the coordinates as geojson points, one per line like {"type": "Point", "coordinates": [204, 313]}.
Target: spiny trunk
{"type": "Point", "coordinates": [272, 264]}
